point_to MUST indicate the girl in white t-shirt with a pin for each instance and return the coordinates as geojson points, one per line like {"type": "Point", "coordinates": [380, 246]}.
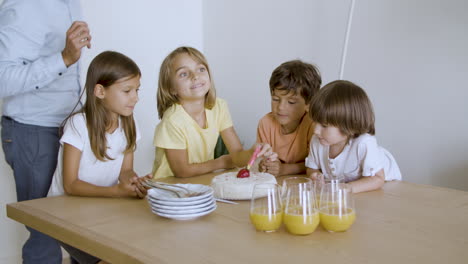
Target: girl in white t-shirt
{"type": "Point", "coordinates": [343, 145]}
{"type": "Point", "coordinates": [192, 119]}
{"type": "Point", "coordinates": [96, 155]}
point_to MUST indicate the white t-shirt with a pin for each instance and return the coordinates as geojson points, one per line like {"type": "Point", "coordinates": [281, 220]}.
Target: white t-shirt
{"type": "Point", "coordinates": [360, 157]}
{"type": "Point", "coordinates": [91, 170]}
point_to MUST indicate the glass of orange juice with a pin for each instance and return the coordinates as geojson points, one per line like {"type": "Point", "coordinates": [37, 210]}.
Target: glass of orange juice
{"type": "Point", "coordinates": [292, 181]}
{"type": "Point", "coordinates": [337, 211]}
{"type": "Point", "coordinates": [301, 216]}
{"type": "Point", "coordinates": [266, 212]}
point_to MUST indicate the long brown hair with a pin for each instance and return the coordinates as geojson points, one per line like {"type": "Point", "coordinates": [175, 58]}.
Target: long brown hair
{"type": "Point", "coordinates": [105, 69]}
{"type": "Point", "coordinates": [165, 98]}
{"type": "Point", "coordinates": [344, 105]}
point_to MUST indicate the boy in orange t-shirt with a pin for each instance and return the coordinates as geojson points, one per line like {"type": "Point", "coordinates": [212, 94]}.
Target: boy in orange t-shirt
{"type": "Point", "coordinates": [288, 128]}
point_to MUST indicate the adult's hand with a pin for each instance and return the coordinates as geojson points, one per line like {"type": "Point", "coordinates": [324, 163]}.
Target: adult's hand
{"type": "Point", "coordinates": [77, 37]}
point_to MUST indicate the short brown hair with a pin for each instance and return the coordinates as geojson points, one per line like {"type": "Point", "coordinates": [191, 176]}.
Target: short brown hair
{"type": "Point", "coordinates": [344, 105]}
{"type": "Point", "coordinates": [165, 98]}
{"type": "Point", "coordinates": [296, 76]}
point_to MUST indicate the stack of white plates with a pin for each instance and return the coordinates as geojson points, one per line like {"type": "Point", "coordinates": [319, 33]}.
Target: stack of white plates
{"type": "Point", "coordinates": [166, 203]}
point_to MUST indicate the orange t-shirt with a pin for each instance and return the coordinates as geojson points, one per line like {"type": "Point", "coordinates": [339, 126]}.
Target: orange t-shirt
{"type": "Point", "coordinates": [291, 148]}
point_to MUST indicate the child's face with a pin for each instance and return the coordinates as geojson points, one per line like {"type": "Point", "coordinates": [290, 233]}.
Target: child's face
{"type": "Point", "coordinates": [190, 79]}
{"type": "Point", "coordinates": [329, 135]}
{"type": "Point", "coordinates": [288, 109]}
{"type": "Point", "coordinates": [121, 97]}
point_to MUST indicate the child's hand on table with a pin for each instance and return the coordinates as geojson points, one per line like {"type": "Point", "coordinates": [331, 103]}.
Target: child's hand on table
{"type": "Point", "coordinates": [317, 177]}
{"type": "Point", "coordinates": [130, 185]}
{"type": "Point", "coordinates": [272, 167]}
{"type": "Point", "coordinates": [141, 190]}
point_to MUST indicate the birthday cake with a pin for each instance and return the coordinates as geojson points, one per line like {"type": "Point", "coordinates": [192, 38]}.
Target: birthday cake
{"type": "Point", "coordinates": [229, 186]}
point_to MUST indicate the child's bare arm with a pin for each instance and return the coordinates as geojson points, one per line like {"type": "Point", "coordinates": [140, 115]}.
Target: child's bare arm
{"type": "Point", "coordinates": [231, 140]}
{"type": "Point", "coordinates": [315, 174]}
{"type": "Point", "coordinates": [180, 166]}
{"type": "Point", "coordinates": [129, 179]}
{"type": "Point", "coordinates": [238, 155]}
{"type": "Point", "coordinates": [74, 186]}
{"type": "Point", "coordinates": [369, 183]}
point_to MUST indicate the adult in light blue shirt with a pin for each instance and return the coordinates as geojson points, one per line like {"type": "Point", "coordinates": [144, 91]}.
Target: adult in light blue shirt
{"type": "Point", "coordinates": [40, 44]}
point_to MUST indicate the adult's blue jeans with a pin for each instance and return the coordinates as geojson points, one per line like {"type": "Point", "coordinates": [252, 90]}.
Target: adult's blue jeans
{"type": "Point", "coordinates": [31, 151]}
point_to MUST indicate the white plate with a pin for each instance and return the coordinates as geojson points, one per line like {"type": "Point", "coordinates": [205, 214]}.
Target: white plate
{"type": "Point", "coordinates": [181, 207]}
{"type": "Point", "coordinates": [165, 195]}
{"type": "Point", "coordinates": [179, 203]}
{"type": "Point", "coordinates": [186, 211]}
{"type": "Point", "coordinates": [185, 216]}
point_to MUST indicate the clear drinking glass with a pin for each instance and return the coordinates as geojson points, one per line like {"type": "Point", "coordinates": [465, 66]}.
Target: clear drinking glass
{"type": "Point", "coordinates": [317, 185]}
{"type": "Point", "coordinates": [292, 181]}
{"type": "Point", "coordinates": [266, 212]}
{"type": "Point", "coordinates": [337, 211]}
{"type": "Point", "coordinates": [301, 216]}
{"type": "Point", "coordinates": [333, 178]}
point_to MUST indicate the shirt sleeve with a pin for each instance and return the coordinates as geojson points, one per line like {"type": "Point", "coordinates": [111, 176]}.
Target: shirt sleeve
{"type": "Point", "coordinates": [22, 66]}
{"type": "Point", "coordinates": [169, 135]}
{"type": "Point", "coordinates": [224, 116]}
{"type": "Point", "coordinates": [371, 156]}
{"type": "Point", "coordinates": [312, 161]}
{"type": "Point", "coordinates": [75, 132]}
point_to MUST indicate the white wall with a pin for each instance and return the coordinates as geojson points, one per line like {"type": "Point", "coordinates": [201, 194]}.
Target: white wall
{"type": "Point", "coordinates": [410, 56]}
{"type": "Point", "coordinates": [246, 40]}
{"type": "Point", "coordinates": [146, 32]}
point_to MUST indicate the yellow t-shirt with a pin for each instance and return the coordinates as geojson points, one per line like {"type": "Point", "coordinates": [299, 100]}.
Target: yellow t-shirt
{"type": "Point", "coordinates": [178, 130]}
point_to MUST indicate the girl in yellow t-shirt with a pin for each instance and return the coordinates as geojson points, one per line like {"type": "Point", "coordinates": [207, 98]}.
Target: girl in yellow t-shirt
{"type": "Point", "coordinates": [192, 118]}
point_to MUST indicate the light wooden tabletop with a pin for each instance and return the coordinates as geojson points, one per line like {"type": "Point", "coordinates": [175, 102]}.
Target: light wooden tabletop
{"type": "Point", "coordinates": [403, 223]}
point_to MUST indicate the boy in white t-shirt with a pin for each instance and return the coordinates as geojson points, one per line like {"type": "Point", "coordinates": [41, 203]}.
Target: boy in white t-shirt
{"type": "Point", "coordinates": [343, 145]}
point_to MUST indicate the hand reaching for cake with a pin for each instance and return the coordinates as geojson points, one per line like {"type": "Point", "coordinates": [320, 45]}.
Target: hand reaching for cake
{"type": "Point", "coordinates": [266, 151]}
{"type": "Point", "coordinates": [270, 162]}
{"type": "Point", "coordinates": [259, 150]}
{"type": "Point", "coordinates": [245, 173]}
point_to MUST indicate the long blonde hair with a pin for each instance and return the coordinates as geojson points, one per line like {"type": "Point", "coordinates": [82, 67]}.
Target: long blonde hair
{"type": "Point", "coordinates": [165, 98]}
{"type": "Point", "coordinates": [105, 69]}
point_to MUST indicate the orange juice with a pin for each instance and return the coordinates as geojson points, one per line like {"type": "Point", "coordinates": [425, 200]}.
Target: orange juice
{"type": "Point", "coordinates": [299, 224]}
{"type": "Point", "coordinates": [266, 222]}
{"type": "Point", "coordinates": [336, 220]}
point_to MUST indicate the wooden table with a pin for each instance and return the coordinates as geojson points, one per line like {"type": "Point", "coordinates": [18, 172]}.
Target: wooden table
{"type": "Point", "coordinates": [403, 223]}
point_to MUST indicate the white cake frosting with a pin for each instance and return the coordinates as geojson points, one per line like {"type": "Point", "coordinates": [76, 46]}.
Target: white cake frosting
{"type": "Point", "coordinates": [228, 186]}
